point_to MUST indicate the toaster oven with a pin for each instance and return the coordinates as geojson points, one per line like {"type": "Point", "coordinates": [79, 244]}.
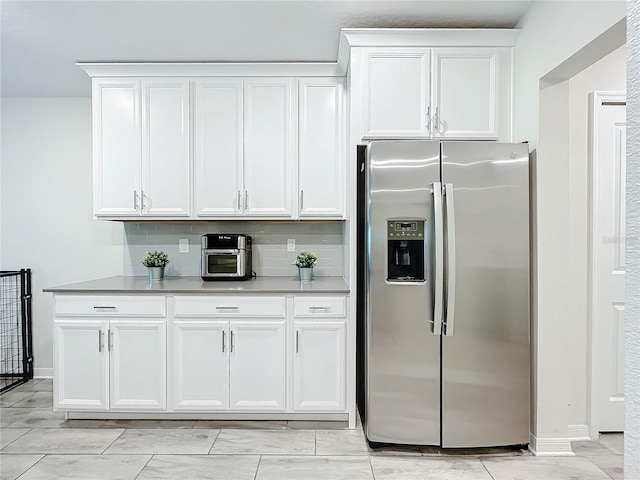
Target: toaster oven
{"type": "Point", "coordinates": [226, 256]}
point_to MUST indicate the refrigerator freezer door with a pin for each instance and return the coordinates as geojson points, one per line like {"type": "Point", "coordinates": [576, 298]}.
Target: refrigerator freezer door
{"type": "Point", "coordinates": [403, 355]}
{"type": "Point", "coordinates": [485, 363]}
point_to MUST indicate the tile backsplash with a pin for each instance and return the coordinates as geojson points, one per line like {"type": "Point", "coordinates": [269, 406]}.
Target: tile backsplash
{"type": "Point", "coordinates": [269, 249]}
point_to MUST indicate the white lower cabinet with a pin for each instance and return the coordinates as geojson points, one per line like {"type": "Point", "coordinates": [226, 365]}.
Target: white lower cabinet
{"type": "Point", "coordinates": [110, 365]}
{"type": "Point", "coordinates": [257, 366]}
{"type": "Point", "coordinates": [319, 366]}
{"type": "Point", "coordinates": [137, 379]}
{"type": "Point", "coordinates": [110, 353]}
{"type": "Point", "coordinates": [200, 365]}
{"type": "Point", "coordinates": [81, 365]}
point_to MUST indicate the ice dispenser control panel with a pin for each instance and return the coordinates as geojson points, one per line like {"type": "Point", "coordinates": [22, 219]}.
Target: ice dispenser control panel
{"type": "Point", "coordinates": [405, 250]}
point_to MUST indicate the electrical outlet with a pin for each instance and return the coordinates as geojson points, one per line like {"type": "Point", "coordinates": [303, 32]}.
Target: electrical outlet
{"type": "Point", "coordinates": [291, 244]}
{"type": "Point", "coordinates": [183, 245]}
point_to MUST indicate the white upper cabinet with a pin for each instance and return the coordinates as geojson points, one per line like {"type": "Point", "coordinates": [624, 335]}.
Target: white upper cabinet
{"type": "Point", "coordinates": [141, 143]}
{"type": "Point", "coordinates": [116, 147]}
{"type": "Point", "coordinates": [321, 155]}
{"type": "Point", "coordinates": [166, 162]}
{"type": "Point", "coordinates": [465, 93]}
{"type": "Point", "coordinates": [419, 92]}
{"type": "Point", "coordinates": [218, 147]}
{"type": "Point", "coordinates": [270, 141]}
{"type": "Point", "coordinates": [396, 92]}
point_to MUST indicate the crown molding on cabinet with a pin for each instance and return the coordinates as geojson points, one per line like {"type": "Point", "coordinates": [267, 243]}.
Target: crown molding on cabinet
{"type": "Point", "coordinates": [212, 69]}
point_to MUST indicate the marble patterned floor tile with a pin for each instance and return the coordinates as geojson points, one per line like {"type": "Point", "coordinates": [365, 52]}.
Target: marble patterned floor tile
{"type": "Point", "coordinates": [340, 442]}
{"type": "Point", "coordinates": [14, 396]}
{"type": "Point", "coordinates": [317, 425]}
{"type": "Point", "coordinates": [77, 423]}
{"type": "Point", "coordinates": [164, 441]}
{"type": "Point", "coordinates": [252, 424]}
{"type": "Point", "coordinates": [141, 424]}
{"type": "Point", "coordinates": [613, 441]}
{"type": "Point", "coordinates": [30, 418]}
{"type": "Point", "coordinates": [543, 468]}
{"type": "Point", "coordinates": [314, 468]}
{"type": "Point", "coordinates": [30, 386]}
{"type": "Point", "coordinates": [8, 435]}
{"type": "Point", "coordinates": [428, 468]}
{"type": "Point", "coordinates": [589, 448]}
{"type": "Point", "coordinates": [63, 440]}
{"type": "Point", "coordinates": [37, 400]}
{"type": "Point", "coordinates": [87, 467]}
{"type": "Point", "coordinates": [265, 442]}
{"type": "Point", "coordinates": [612, 465]}
{"type": "Point", "coordinates": [12, 466]}
{"type": "Point", "coordinates": [201, 467]}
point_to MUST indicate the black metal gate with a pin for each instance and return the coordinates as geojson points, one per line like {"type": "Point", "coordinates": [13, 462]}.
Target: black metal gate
{"type": "Point", "coordinates": [16, 340]}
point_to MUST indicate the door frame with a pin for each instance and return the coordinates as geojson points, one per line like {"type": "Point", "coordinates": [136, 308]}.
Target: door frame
{"type": "Point", "coordinates": [597, 101]}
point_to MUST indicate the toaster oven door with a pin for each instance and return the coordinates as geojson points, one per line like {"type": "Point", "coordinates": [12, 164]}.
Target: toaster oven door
{"type": "Point", "coordinates": [223, 263]}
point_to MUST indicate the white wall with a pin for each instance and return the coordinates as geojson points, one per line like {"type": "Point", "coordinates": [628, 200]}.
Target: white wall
{"type": "Point", "coordinates": [46, 214]}
{"type": "Point", "coordinates": [607, 74]}
{"type": "Point", "coordinates": [632, 300]}
{"type": "Point", "coordinates": [552, 33]}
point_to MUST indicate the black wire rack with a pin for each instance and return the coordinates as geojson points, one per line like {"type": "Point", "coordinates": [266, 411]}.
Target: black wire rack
{"type": "Point", "coordinates": [16, 340]}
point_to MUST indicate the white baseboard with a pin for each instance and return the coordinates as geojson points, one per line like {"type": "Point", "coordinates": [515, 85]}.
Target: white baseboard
{"type": "Point", "coordinates": [43, 373]}
{"type": "Point", "coordinates": [578, 432]}
{"type": "Point", "coordinates": [550, 447]}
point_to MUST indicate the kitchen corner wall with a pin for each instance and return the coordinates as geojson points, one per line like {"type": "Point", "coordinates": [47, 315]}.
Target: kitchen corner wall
{"type": "Point", "coordinates": [269, 250]}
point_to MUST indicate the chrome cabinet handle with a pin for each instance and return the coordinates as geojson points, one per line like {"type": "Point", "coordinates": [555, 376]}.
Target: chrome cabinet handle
{"type": "Point", "coordinates": [429, 119]}
{"type": "Point", "coordinates": [436, 121]}
{"type": "Point", "coordinates": [326, 308]}
{"type": "Point", "coordinates": [135, 200]}
{"type": "Point", "coordinates": [142, 197]}
{"type": "Point", "coordinates": [451, 259]}
{"type": "Point", "coordinates": [297, 341]}
{"type": "Point", "coordinates": [104, 307]}
{"type": "Point", "coordinates": [227, 308]}
{"type": "Point", "coordinates": [223, 335]}
{"type": "Point", "coordinates": [232, 345]}
{"type": "Point", "coordinates": [239, 201]}
{"type": "Point", "coordinates": [110, 345]}
{"type": "Point", "coordinates": [301, 200]}
{"type": "Point", "coordinates": [246, 200]}
{"type": "Point", "coordinates": [436, 189]}
{"type": "Point", "coordinates": [99, 340]}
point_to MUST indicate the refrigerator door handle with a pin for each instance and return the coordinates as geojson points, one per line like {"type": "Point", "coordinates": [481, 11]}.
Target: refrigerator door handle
{"type": "Point", "coordinates": [451, 259]}
{"type": "Point", "coordinates": [438, 227]}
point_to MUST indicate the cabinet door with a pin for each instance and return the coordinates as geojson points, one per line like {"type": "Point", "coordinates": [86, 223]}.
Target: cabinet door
{"type": "Point", "coordinates": [269, 146]}
{"type": "Point", "coordinates": [138, 365]}
{"type": "Point", "coordinates": [218, 147]}
{"type": "Point", "coordinates": [321, 154]}
{"type": "Point", "coordinates": [396, 93]}
{"type": "Point", "coordinates": [465, 93]}
{"type": "Point", "coordinates": [116, 147]}
{"type": "Point", "coordinates": [257, 366]}
{"type": "Point", "coordinates": [319, 366]}
{"type": "Point", "coordinates": [166, 173]}
{"type": "Point", "coordinates": [81, 380]}
{"type": "Point", "coordinates": [200, 365]}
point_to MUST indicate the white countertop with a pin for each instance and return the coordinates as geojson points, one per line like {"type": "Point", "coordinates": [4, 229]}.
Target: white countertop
{"type": "Point", "coordinates": [195, 285]}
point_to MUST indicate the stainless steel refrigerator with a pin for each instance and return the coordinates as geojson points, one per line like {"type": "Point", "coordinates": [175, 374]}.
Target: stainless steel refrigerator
{"type": "Point", "coordinates": [443, 293]}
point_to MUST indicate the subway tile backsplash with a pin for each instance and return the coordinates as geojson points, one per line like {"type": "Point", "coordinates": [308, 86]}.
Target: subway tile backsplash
{"type": "Point", "coordinates": [270, 256]}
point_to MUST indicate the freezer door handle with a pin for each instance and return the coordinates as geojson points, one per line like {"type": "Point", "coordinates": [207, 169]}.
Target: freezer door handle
{"type": "Point", "coordinates": [451, 259]}
{"type": "Point", "coordinates": [436, 189]}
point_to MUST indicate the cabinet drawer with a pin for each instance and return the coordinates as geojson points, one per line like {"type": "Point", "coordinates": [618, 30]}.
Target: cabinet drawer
{"type": "Point", "coordinates": [110, 306]}
{"type": "Point", "coordinates": [319, 306]}
{"type": "Point", "coordinates": [235, 306]}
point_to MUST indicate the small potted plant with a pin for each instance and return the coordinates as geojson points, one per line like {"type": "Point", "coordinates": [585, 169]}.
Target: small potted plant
{"type": "Point", "coordinates": [305, 262]}
{"type": "Point", "coordinates": [155, 262]}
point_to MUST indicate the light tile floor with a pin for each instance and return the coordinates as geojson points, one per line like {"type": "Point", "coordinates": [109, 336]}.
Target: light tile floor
{"type": "Point", "coordinates": [37, 443]}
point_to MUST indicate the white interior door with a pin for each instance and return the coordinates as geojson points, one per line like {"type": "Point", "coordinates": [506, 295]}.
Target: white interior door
{"type": "Point", "coordinates": [609, 259]}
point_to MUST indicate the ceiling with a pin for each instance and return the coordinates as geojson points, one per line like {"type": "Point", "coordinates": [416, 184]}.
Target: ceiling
{"type": "Point", "coordinates": [40, 41]}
